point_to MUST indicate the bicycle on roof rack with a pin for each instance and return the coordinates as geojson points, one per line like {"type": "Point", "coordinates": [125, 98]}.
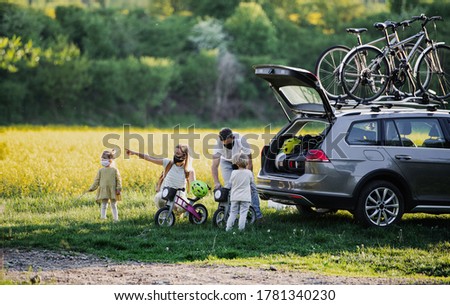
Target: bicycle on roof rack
{"type": "Point", "coordinates": [366, 72]}
{"type": "Point", "coordinates": [329, 61]}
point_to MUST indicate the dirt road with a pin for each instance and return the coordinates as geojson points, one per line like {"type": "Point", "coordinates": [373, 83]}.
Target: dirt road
{"type": "Point", "coordinates": [48, 267]}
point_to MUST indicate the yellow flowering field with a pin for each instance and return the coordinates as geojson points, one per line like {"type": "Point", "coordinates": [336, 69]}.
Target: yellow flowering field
{"type": "Point", "coordinates": [63, 161]}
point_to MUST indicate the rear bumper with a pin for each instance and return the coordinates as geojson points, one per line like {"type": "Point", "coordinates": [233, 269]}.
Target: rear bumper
{"type": "Point", "coordinates": [294, 197]}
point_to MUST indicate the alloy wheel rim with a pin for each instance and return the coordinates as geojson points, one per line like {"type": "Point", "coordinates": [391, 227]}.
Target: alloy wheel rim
{"type": "Point", "coordinates": [382, 206]}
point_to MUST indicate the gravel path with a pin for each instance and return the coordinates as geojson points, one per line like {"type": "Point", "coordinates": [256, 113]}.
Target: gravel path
{"type": "Point", "coordinates": [48, 267]}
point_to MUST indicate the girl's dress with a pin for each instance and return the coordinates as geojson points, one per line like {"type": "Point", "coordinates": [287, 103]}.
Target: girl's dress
{"type": "Point", "coordinates": [107, 183]}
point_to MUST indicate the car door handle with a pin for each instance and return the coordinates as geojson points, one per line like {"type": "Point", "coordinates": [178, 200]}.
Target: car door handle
{"type": "Point", "coordinates": [403, 157]}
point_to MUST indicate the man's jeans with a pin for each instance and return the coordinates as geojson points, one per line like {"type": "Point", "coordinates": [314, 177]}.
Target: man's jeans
{"type": "Point", "coordinates": [226, 168]}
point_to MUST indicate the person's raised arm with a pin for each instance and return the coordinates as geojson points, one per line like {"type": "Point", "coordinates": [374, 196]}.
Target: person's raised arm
{"type": "Point", "coordinates": [158, 161]}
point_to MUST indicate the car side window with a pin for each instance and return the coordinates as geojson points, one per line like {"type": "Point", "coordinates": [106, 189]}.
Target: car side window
{"type": "Point", "coordinates": [418, 132]}
{"type": "Point", "coordinates": [431, 134]}
{"type": "Point", "coordinates": [363, 133]}
{"type": "Point", "coordinates": [391, 135]}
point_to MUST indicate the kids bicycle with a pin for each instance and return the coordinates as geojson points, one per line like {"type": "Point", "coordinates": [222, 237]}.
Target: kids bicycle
{"type": "Point", "coordinates": [198, 214]}
{"type": "Point", "coordinates": [220, 216]}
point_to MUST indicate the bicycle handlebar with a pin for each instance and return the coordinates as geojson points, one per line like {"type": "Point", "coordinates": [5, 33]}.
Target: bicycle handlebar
{"type": "Point", "coordinates": [426, 19]}
{"type": "Point", "coordinates": [381, 26]}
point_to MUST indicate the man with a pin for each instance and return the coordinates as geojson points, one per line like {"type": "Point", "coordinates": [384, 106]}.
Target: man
{"type": "Point", "coordinates": [229, 144]}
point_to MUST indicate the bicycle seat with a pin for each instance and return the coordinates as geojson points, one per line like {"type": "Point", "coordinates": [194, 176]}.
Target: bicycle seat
{"type": "Point", "coordinates": [381, 26]}
{"type": "Point", "coordinates": [356, 30]}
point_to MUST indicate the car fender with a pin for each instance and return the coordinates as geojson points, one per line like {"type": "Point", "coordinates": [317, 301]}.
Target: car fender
{"type": "Point", "coordinates": [387, 175]}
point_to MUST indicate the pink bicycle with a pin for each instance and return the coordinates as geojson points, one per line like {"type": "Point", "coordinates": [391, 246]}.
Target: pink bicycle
{"type": "Point", "coordinates": [165, 217]}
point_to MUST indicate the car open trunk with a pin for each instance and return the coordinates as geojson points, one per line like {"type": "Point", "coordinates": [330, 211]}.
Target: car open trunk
{"type": "Point", "coordinates": [288, 151]}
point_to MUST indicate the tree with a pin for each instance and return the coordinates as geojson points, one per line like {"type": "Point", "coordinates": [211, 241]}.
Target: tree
{"type": "Point", "coordinates": [12, 51]}
{"type": "Point", "coordinates": [251, 30]}
{"type": "Point", "coordinates": [208, 34]}
{"type": "Point", "coordinates": [220, 9]}
{"type": "Point", "coordinates": [229, 73]}
{"type": "Point", "coordinates": [400, 6]}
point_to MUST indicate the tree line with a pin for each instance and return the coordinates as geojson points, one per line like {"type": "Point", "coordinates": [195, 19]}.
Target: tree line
{"type": "Point", "coordinates": [176, 62]}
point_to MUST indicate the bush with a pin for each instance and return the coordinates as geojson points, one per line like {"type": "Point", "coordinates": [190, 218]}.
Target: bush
{"type": "Point", "coordinates": [194, 90]}
{"type": "Point", "coordinates": [55, 92]}
{"type": "Point", "coordinates": [128, 91]}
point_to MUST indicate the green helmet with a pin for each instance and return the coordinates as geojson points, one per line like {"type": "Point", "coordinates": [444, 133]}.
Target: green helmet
{"type": "Point", "coordinates": [289, 144]}
{"type": "Point", "coordinates": [199, 188]}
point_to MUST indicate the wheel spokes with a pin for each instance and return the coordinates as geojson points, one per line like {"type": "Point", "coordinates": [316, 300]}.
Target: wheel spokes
{"type": "Point", "coordinates": [382, 206]}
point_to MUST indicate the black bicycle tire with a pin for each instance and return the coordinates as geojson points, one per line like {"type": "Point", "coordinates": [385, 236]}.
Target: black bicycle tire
{"type": "Point", "coordinates": [361, 84]}
{"type": "Point", "coordinates": [330, 80]}
{"type": "Point", "coordinates": [412, 82]}
{"type": "Point", "coordinates": [433, 83]}
{"type": "Point", "coordinates": [158, 213]}
{"type": "Point", "coordinates": [223, 223]}
{"type": "Point", "coordinates": [193, 220]}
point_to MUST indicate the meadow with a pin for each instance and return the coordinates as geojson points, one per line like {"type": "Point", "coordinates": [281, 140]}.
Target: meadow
{"type": "Point", "coordinates": [44, 170]}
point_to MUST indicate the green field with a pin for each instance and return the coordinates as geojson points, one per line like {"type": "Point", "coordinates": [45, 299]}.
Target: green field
{"type": "Point", "coordinates": [44, 170]}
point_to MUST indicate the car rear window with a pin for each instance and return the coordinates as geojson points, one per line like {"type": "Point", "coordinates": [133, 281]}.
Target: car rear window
{"type": "Point", "coordinates": [363, 133]}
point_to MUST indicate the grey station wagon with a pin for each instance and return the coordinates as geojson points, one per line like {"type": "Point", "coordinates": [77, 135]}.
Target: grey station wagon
{"type": "Point", "coordinates": [376, 161]}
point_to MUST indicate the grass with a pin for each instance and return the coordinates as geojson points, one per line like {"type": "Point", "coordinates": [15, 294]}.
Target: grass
{"type": "Point", "coordinates": [49, 216]}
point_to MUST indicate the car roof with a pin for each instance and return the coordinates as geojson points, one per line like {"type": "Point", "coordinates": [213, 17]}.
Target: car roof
{"type": "Point", "coordinates": [371, 110]}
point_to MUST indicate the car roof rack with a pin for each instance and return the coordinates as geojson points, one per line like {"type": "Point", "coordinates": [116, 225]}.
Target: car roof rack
{"type": "Point", "coordinates": [389, 101]}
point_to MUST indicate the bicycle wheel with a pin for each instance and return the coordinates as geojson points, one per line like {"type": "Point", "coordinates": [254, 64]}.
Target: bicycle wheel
{"type": "Point", "coordinates": [403, 80]}
{"type": "Point", "coordinates": [251, 216]}
{"type": "Point", "coordinates": [365, 73]}
{"type": "Point", "coordinates": [163, 218]}
{"type": "Point", "coordinates": [434, 60]}
{"type": "Point", "coordinates": [327, 70]}
{"type": "Point", "coordinates": [220, 219]}
{"type": "Point", "coordinates": [202, 211]}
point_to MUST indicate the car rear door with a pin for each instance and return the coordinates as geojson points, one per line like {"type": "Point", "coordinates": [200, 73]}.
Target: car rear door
{"type": "Point", "coordinates": [419, 148]}
{"type": "Point", "coordinates": [298, 91]}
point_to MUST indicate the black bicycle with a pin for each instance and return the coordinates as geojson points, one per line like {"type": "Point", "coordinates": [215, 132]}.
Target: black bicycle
{"type": "Point", "coordinates": [220, 216]}
{"type": "Point", "coordinates": [367, 72]}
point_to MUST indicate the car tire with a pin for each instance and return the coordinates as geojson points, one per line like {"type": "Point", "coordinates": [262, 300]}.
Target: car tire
{"type": "Point", "coordinates": [380, 204]}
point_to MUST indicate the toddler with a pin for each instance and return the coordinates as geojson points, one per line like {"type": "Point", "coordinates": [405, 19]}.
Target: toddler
{"type": "Point", "coordinates": [109, 185]}
{"type": "Point", "coordinates": [240, 196]}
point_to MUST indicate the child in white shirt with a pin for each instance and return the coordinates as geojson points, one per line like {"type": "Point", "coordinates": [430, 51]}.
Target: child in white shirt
{"type": "Point", "coordinates": [240, 196]}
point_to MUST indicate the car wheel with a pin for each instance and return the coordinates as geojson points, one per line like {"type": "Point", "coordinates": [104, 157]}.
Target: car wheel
{"type": "Point", "coordinates": [311, 211]}
{"type": "Point", "coordinates": [380, 204]}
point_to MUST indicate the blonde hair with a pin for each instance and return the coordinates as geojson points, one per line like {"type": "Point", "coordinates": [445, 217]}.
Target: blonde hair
{"type": "Point", "coordinates": [187, 161]}
{"type": "Point", "coordinates": [241, 160]}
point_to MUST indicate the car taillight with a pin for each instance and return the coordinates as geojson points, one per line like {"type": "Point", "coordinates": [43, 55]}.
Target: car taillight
{"type": "Point", "coordinates": [316, 155]}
